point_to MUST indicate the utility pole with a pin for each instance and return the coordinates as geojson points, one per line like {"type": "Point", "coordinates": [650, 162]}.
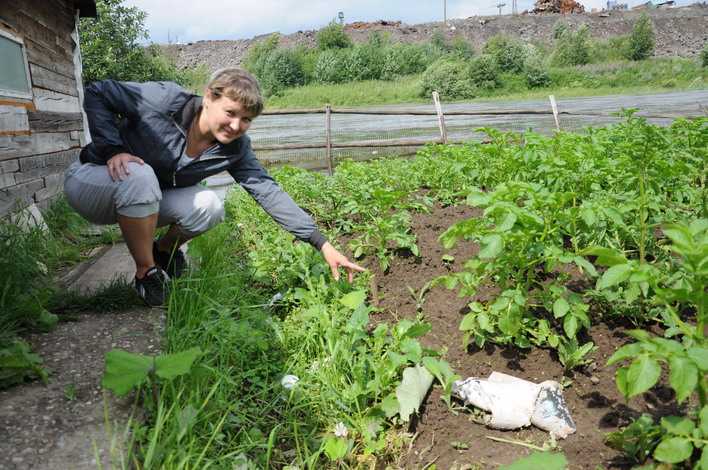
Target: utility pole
{"type": "Point", "coordinates": [500, 6]}
{"type": "Point", "coordinates": [445, 11]}
{"type": "Point", "coordinates": [514, 8]}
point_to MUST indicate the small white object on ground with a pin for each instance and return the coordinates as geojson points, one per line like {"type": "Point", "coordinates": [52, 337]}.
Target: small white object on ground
{"type": "Point", "coordinates": [340, 430]}
{"type": "Point", "coordinates": [275, 299]}
{"type": "Point", "coordinates": [289, 381]}
{"type": "Point", "coordinates": [515, 403]}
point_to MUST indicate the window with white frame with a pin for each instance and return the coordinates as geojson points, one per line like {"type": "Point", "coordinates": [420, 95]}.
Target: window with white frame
{"type": "Point", "coordinates": [14, 73]}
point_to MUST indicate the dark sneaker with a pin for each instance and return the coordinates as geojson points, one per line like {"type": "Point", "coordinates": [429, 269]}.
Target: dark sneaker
{"type": "Point", "coordinates": [173, 265]}
{"type": "Point", "coordinates": [154, 287]}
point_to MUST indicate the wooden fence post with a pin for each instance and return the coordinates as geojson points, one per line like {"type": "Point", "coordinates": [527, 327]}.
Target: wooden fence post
{"type": "Point", "coordinates": [441, 117]}
{"type": "Point", "coordinates": [328, 139]}
{"type": "Point", "coordinates": [554, 107]}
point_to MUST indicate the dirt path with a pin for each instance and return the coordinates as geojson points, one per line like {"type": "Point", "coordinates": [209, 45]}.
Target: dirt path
{"type": "Point", "coordinates": [56, 426]}
{"type": "Point", "coordinates": [63, 425]}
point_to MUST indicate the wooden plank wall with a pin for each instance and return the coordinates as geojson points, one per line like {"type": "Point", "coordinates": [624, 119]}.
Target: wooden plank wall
{"type": "Point", "coordinates": [41, 137]}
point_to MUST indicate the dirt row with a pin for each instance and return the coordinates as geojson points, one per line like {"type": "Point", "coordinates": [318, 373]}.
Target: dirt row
{"type": "Point", "coordinates": [451, 439]}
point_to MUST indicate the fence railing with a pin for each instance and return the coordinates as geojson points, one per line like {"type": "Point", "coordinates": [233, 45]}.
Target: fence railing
{"type": "Point", "coordinates": [329, 144]}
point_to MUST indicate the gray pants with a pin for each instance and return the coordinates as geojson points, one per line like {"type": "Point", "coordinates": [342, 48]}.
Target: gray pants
{"type": "Point", "coordinates": [92, 193]}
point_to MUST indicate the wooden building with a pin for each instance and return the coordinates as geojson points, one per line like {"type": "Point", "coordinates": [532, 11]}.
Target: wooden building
{"type": "Point", "coordinates": [42, 125]}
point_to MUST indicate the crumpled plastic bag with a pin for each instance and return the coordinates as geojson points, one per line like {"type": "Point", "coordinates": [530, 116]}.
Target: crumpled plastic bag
{"type": "Point", "coordinates": [514, 403]}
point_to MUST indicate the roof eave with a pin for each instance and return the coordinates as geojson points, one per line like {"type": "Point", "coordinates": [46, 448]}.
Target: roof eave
{"type": "Point", "coordinates": [87, 8]}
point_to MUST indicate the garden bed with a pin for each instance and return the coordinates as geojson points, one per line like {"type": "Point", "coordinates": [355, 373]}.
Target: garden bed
{"type": "Point", "coordinates": [450, 438]}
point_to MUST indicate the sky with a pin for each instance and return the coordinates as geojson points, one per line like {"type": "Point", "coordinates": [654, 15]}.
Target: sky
{"type": "Point", "coordinates": [191, 21]}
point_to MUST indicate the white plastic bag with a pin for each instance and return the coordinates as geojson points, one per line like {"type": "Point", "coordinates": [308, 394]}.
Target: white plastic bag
{"type": "Point", "coordinates": [514, 403]}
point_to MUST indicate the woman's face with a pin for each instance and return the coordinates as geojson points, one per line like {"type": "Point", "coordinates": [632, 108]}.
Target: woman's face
{"type": "Point", "coordinates": [224, 118]}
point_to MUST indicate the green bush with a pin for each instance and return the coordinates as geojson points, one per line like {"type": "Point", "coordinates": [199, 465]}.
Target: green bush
{"type": "Point", "coordinates": [509, 53]}
{"type": "Point", "coordinates": [332, 36]}
{"type": "Point", "coordinates": [258, 53]}
{"type": "Point", "coordinates": [559, 28]}
{"type": "Point", "coordinates": [331, 66]}
{"type": "Point", "coordinates": [536, 73]}
{"type": "Point", "coordinates": [484, 72]}
{"type": "Point", "coordinates": [450, 78]}
{"type": "Point", "coordinates": [704, 56]}
{"type": "Point", "coordinates": [641, 40]}
{"type": "Point", "coordinates": [377, 39]}
{"type": "Point", "coordinates": [573, 48]}
{"type": "Point", "coordinates": [610, 50]}
{"type": "Point", "coordinates": [438, 42]}
{"type": "Point", "coordinates": [281, 69]}
{"type": "Point", "coordinates": [364, 62]}
{"type": "Point", "coordinates": [404, 59]}
{"type": "Point", "coordinates": [460, 47]}
{"type": "Point", "coordinates": [307, 57]}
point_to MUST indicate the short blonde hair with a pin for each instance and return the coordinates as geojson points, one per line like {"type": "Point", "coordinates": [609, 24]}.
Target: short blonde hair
{"type": "Point", "coordinates": [239, 85]}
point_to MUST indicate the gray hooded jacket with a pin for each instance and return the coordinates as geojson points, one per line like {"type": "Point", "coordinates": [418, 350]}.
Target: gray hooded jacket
{"type": "Point", "coordinates": [150, 119]}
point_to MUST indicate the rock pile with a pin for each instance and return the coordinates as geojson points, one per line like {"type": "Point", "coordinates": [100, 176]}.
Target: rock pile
{"type": "Point", "coordinates": [679, 32]}
{"type": "Point", "coordinates": [558, 6]}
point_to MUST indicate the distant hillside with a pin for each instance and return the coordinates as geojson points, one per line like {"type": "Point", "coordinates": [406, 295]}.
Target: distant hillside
{"type": "Point", "coordinates": [679, 32]}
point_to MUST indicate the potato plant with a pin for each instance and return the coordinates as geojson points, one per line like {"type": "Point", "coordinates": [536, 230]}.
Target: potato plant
{"type": "Point", "coordinates": [574, 228]}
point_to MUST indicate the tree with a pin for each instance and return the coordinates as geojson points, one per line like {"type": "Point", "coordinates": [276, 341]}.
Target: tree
{"type": "Point", "coordinates": [641, 40]}
{"type": "Point", "coordinates": [110, 46]}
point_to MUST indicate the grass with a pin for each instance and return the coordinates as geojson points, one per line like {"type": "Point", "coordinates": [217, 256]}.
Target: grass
{"type": "Point", "coordinates": [368, 92]}
{"type": "Point", "coordinates": [30, 297]}
{"type": "Point", "coordinates": [607, 78]}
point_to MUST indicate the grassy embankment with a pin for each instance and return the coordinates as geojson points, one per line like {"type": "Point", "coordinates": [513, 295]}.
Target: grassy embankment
{"type": "Point", "coordinates": [619, 77]}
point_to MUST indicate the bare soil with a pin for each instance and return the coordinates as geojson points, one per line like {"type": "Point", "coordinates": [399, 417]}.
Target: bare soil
{"type": "Point", "coordinates": [70, 423]}
{"type": "Point", "coordinates": [594, 401]}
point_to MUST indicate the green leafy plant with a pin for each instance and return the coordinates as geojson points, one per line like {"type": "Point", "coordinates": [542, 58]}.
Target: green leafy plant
{"type": "Point", "coordinates": [572, 47]}
{"type": "Point", "coordinates": [111, 47]}
{"type": "Point", "coordinates": [126, 371]}
{"type": "Point", "coordinates": [638, 440]}
{"type": "Point", "coordinates": [330, 66]}
{"type": "Point", "coordinates": [484, 72]}
{"type": "Point", "coordinates": [448, 77]}
{"type": "Point", "coordinates": [641, 40]}
{"type": "Point", "coordinates": [18, 363]}
{"type": "Point", "coordinates": [332, 36]}
{"type": "Point", "coordinates": [281, 69]}
{"type": "Point", "coordinates": [687, 359]}
{"type": "Point", "coordinates": [509, 53]}
{"type": "Point", "coordinates": [382, 232]}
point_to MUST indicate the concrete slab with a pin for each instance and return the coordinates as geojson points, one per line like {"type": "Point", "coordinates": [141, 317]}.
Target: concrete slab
{"type": "Point", "coordinates": [115, 263]}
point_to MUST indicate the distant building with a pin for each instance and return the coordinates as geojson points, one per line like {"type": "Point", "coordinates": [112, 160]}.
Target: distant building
{"type": "Point", "coordinates": [654, 4]}
{"type": "Point", "coordinates": [614, 5]}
